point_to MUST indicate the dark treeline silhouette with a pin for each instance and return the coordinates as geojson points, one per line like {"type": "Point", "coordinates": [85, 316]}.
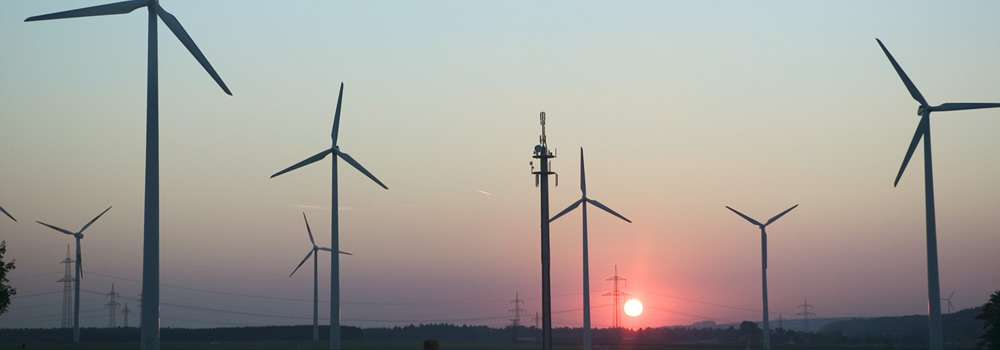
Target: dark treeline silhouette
{"type": "Point", "coordinates": [131, 334]}
{"type": "Point", "coordinates": [960, 332]}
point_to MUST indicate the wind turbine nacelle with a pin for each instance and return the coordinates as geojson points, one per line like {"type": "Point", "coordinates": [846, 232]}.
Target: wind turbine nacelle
{"type": "Point", "coordinates": [79, 235]}
{"type": "Point", "coordinates": [922, 109]}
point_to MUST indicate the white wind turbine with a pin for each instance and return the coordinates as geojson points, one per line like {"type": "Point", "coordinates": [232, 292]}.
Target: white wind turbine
{"type": "Point", "coordinates": [763, 256]}
{"type": "Point", "coordinates": [335, 218]}
{"type": "Point", "coordinates": [924, 131]}
{"type": "Point", "coordinates": [315, 250]}
{"type": "Point", "coordinates": [586, 252]}
{"type": "Point", "coordinates": [948, 299]}
{"type": "Point", "coordinates": [8, 214]}
{"type": "Point", "coordinates": [79, 272]}
{"type": "Point", "coordinates": [150, 315]}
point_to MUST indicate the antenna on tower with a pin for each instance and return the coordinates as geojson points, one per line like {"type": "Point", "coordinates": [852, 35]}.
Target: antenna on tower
{"type": "Point", "coordinates": [67, 280]}
{"type": "Point", "coordinates": [805, 313]}
{"type": "Point", "coordinates": [112, 306]}
{"type": "Point", "coordinates": [616, 313]}
{"type": "Point", "coordinates": [543, 155]}
{"type": "Point", "coordinates": [517, 311]}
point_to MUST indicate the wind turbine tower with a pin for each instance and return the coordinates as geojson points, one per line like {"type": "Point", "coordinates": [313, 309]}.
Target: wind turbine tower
{"type": "Point", "coordinates": [924, 132]}
{"type": "Point", "coordinates": [79, 271]}
{"type": "Point", "coordinates": [584, 200]}
{"type": "Point", "coordinates": [948, 299]}
{"type": "Point", "coordinates": [67, 281]}
{"type": "Point", "coordinates": [334, 217]}
{"type": "Point", "coordinates": [112, 306]}
{"type": "Point", "coordinates": [150, 315]}
{"type": "Point", "coordinates": [314, 253]}
{"type": "Point", "coordinates": [616, 293]}
{"type": "Point", "coordinates": [543, 155]}
{"type": "Point", "coordinates": [763, 270]}
{"type": "Point", "coordinates": [805, 313]}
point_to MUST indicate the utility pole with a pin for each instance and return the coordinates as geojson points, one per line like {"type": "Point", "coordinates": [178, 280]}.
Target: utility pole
{"type": "Point", "coordinates": [616, 318]}
{"type": "Point", "coordinates": [542, 180]}
{"type": "Point", "coordinates": [125, 312]}
{"type": "Point", "coordinates": [67, 280]}
{"type": "Point", "coordinates": [112, 306]}
{"type": "Point", "coordinates": [517, 311]}
{"type": "Point", "coordinates": [805, 312]}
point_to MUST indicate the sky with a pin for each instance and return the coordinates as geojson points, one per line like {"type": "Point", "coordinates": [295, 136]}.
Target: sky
{"type": "Point", "coordinates": [682, 108]}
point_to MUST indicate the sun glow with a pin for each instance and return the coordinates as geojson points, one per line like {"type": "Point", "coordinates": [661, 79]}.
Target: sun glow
{"type": "Point", "coordinates": [633, 307]}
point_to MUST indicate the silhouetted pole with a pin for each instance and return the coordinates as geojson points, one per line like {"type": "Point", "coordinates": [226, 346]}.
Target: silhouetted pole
{"type": "Point", "coordinates": [763, 274]}
{"type": "Point", "coordinates": [933, 286]}
{"type": "Point", "coordinates": [315, 291]}
{"type": "Point", "coordinates": [542, 178]}
{"type": "Point", "coordinates": [149, 315]}
{"type": "Point", "coordinates": [763, 263]}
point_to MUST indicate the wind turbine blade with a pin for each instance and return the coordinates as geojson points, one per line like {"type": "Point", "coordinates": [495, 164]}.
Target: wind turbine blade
{"type": "Point", "coordinates": [309, 230]}
{"type": "Point", "coordinates": [79, 266]}
{"type": "Point", "coordinates": [780, 215]}
{"type": "Point", "coordinates": [325, 249]}
{"type": "Point", "coordinates": [902, 75]}
{"type": "Point", "coordinates": [99, 10]}
{"type": "Point", "coordinates": [303, 262]}
{"type": "Point", "coordinates": [605, 208]}
{"type": "Point", "coordinates": [751, 220]}
{"type": "Point", "coordinates": [95, 219]}
{"type": "Point", "coordinates": [360, 168]}
{"type": "Point", "coordinates": [567, 210]}
{"type": "Point", "coordinates": [951, 295]}
{"type": "Point", "coordinates": [310, 160]}
{"type": "Point", "coordinates": [921, 129]}
{"type": "Point", "coordinates": [8, 214]}
{"type": "Point", "coordinates": [336, 115]}
{"type": "Point", "coordinates": [185, 39]}
{"type": "Point", "coordinates": [963, 106]}
{"type": "Point", "coordinates": [343, 252]}
{"type": "Point", "coordinates": [583, 175]}
{"type": "Point", "coordinates": [57, 229]}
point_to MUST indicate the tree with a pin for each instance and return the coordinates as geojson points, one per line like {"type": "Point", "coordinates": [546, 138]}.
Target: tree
{"type": "Point", "coordinates": [990, 315]}
{"type": "Point", "coordinates": [6, 291]}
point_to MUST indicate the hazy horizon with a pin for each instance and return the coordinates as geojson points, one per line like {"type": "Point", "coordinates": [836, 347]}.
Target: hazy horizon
{"type": "Point", "coordinates": [682, 108]}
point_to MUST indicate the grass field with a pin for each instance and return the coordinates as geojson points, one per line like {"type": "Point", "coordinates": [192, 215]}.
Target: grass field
{"type": "Point", "coordinates": [363, 345]}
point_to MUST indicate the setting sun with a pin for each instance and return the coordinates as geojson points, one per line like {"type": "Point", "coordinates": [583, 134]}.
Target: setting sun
{"type": "Point", "coordinates": [633, 307]}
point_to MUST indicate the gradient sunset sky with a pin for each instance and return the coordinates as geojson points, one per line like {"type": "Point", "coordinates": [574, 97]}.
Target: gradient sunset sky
{"type": "Point", "coordinates": [683, 107]}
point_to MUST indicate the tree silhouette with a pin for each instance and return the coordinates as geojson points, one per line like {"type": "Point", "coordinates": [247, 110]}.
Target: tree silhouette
{"type": "Point", "coordinates": [990, 315]}
{"type": "Point", "coordinates": [6, 291]}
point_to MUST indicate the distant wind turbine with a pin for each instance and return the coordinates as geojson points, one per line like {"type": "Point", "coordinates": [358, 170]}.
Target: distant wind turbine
{"type": "Point", "coordinates": [315, 250]}
{"type": "Point", "coordinates": [8, 214]}
{"type": "Point", "coordinates": [79, 272]}
{"type": "Point", "coordinates": [763, 255]}
{"type": "Point", "coordinates": [586, 252]}
{"type": "Point", "coordinates": [924, 131]}
{"type": "Point", "coordinates": [948, 299]}
{"type": "Point", "coordinates": [335, 218]}
{"type": "Point", "coordinates": [150, 315]}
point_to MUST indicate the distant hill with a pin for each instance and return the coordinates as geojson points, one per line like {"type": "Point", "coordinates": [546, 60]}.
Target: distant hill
{"type": "Point", "coordinates": [960, 327]}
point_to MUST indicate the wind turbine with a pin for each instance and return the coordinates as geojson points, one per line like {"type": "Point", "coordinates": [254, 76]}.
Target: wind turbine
{"type": "Point", "coordinates": [79, 272]}
{"type": "Point", "coordinates": [586, 252]}
{"type": "Point", "coordinates": [763, 255]}
{"type": "Point", "coordinates": [8, 214]}
{"type": "Point", "coordinates": [924, 131]}
{"type": "Point", "coordinates": [315, 257]}
{"type": "Point", "coordinates": [335, 218]}
{"type": "Point", "coordinates": [150, 315]}
{"type": "Point", "coordinates": [948, 299]}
